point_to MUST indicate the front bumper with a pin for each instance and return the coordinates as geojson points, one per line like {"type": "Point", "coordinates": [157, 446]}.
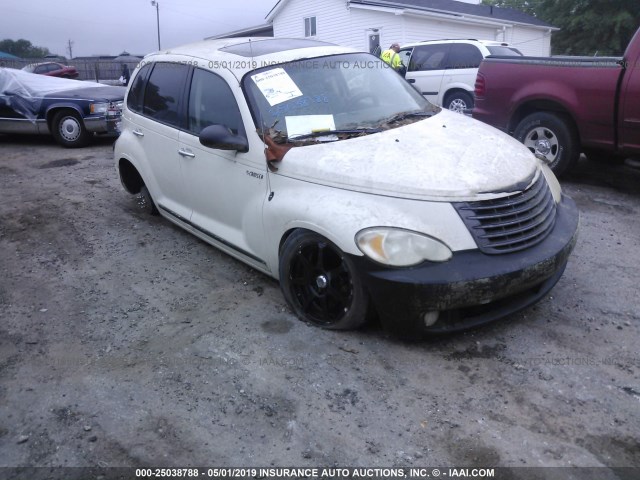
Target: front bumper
{"type": "Point", "coordinates": [472, 288]}
{"type": "Point", "coordinates": [103, 124]}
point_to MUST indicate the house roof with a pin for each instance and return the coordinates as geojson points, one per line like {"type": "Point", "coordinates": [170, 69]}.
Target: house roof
{"type": "Point", "coordinates": [265, 30]}
{"type": "Point", "coordinates": [8, 55]}
{"type": "Point", "coordinates": [452, 7]}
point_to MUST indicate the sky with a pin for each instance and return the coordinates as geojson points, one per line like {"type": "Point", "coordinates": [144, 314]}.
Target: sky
{"type": "Point", "coordinates": [109, 27]}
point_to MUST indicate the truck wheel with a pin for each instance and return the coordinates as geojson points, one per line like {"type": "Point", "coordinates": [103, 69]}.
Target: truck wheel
{"type": "Point", "coordinates": [69, 130]}
{"type": "Point", "coordinates": [320, 282]}
{"type": "Point", "coordinates": [552, 137]}
{"type": "Point", "coordinates": [458, 102]}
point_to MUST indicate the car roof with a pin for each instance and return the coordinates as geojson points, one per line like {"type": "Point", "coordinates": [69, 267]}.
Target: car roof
{"type": "Point", "coordinates": [248, 53]}
{"type": "Point", "coordinates": [486, 43]}
{"type": "Point", "coordinates": [42, 63]}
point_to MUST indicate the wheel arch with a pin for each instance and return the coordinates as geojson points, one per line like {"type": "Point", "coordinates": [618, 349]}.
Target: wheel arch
{"type": "Point", "coordinates": [315, 228]}
{"type": "Point", "coordinates": [542, 106]}
{"type": "Point", "coordinates": [54, 109]}
{"type": "Point", "coordinates": [452, 90]}
{"type": "Point", "coordinates": [130, 176]}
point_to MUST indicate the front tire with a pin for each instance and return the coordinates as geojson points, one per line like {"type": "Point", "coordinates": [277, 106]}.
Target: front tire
{"type": "Point", "coordinates": [458, 102]}
{"type": "Point", "coordinates": [552, 137]}
{"type": "Point", "coordinates": [320, 282]}
{"type": "Point", "coordinates": [69, 130]}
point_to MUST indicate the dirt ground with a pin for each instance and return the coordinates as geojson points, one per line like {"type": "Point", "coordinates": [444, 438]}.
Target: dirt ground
{"type": "Point", "coordinates": [125, 341]}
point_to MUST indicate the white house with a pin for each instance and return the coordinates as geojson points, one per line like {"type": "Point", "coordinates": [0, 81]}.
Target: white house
{"type": "Point", "coordinates": [362, 24]}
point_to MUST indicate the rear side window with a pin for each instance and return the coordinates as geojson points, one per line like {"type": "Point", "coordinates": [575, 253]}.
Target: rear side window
{"type": "Point", "coordinates": [134, 99]}
{"type": "Point", "coordinates": [504, 51]}
{"type": "Point", "coordinates": [428, 57]}
{"type": "Point", "coordinates": [463, 55]}
{"type": "Point", "coordinates": [211, 102]}
{"type": "Point", "coordinates": [164, 91]}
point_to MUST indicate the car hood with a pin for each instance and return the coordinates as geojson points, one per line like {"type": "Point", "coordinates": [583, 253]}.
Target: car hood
{"type": "Point", "coordinates": [446, 157]}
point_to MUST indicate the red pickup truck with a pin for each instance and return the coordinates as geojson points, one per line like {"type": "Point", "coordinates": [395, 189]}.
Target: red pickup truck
{"type": "Point", "coordinates": [561, 106]}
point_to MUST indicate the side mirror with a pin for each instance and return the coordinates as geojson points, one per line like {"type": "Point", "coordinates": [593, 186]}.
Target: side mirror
{"type": "Point", "coordinates": [220, 137]}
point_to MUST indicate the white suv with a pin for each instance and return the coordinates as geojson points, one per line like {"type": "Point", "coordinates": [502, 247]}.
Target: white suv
{"type": "Point", "coordinates": [444, 71]}
{"type": "Point", "coordinates": [320, 166]}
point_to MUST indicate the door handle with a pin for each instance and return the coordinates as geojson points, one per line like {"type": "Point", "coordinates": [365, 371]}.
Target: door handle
{"type": "Point", "coordinates": [411, 80]}
{"type": "Point", "coordinates": [138, 133]}
{"type": "Point", "coordinates": [186, 153]}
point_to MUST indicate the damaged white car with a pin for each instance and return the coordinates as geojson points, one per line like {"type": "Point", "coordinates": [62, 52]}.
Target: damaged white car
{"type": "Point", "coordinates": [323, 168]}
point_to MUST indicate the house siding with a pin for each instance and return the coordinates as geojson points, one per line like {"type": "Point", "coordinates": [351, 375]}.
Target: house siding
{"type": "Point", "coordinates": [332, 20]}
{"type": "Point", "coordinates": [349, 26]}
{"type": "Point", "coordinates": [532, 42]}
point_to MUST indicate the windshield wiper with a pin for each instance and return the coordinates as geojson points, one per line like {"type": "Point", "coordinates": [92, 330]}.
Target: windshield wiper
{"type": "Point", "coordinates": [324, 133]}
{"type": "Point", "coordinates": [404, 115]}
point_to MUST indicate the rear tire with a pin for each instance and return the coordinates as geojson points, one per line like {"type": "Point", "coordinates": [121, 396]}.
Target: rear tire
{"type": "Point", "coordinates": [550, 136]}
{"type": "Point", "coordinates": [321, 283]}
{"type": "Point", "coordinates": [146, 203]}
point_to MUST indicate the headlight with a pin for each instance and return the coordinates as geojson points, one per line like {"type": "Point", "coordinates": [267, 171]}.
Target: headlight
{"type": "Point", "coordinates": [552, 181]}
{"type": "Point", "coordinates": [400, 248]}
{"type": "Point", "coordinates": [99, 107]}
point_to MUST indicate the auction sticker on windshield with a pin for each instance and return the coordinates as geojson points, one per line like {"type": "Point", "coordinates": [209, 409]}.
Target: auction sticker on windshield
{"type": "Point", "coordinates": [276, 85]}
{"type": "Point", "coordinates": [306, 124]}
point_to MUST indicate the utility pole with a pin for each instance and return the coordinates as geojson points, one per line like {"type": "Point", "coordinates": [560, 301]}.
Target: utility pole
{"type": "Point", "coordinates": [70, 48]}
{"type": "Point", "coordinates": [156, 4]}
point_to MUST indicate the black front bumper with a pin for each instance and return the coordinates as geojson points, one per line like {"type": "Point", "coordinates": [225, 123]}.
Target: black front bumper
{"type": "Point", "coordinates": [472, 288]}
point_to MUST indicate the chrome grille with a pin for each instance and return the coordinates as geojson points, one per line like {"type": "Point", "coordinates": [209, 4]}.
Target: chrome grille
{"type": "Point", "coordinates": [512, 223]}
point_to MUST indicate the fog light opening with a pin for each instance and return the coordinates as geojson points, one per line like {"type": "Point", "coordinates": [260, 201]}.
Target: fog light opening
{"type": "Point", "coordinates": [430, 318]}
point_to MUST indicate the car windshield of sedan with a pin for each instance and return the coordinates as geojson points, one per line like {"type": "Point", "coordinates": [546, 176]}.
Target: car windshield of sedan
{"type": "Point", "coordinates": [331, 98]}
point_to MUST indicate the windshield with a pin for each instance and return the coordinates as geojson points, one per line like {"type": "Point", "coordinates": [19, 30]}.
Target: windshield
{"type": "Point", "coordinates": [345, 95]}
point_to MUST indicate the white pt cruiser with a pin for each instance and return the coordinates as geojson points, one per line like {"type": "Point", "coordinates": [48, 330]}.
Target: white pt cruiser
{"type": "Point", "coordinates": [323, 168]}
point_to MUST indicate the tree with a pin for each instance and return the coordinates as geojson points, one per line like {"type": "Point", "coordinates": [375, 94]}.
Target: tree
{"type": "Point", "coordinates": [22, 48]}
{"type": "Point", "coordinates": [587, 27]}
{"type": "Point", "coordinates": [527, 6]}
{"type": "Point", "coordinates": [591, 27]}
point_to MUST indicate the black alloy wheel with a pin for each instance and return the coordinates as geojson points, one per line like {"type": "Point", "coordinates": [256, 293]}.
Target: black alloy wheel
{"type": "Point", "coordinates": [320, 282]}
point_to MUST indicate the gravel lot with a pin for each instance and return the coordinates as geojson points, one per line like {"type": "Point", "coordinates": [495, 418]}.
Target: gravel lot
{"type": "Point", "coordinates": [125, 341]}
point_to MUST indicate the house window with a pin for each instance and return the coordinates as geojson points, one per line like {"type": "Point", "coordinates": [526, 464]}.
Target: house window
{"type": "Point", "coordinates": [310, 27]}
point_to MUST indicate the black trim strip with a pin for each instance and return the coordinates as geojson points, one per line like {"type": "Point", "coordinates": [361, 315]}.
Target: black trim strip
{"type": "Point", "coordinates": [212, 236]}
{"type": "Point", "coordinates": [429, 93]}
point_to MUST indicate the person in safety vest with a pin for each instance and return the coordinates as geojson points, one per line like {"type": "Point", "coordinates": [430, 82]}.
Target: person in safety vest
{"type": "Point", "coordinates": [391, 57]}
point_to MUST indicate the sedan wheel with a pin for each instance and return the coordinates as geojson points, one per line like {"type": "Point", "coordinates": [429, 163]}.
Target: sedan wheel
{"type": "Point", "coordinates": [69, 130]}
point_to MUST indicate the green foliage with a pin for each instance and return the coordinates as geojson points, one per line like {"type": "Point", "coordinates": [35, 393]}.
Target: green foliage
{"type": "Point", "coordinates": [587, 27]}
{"type": "Point", "coordinates": [22, 48]}
{"type": "Point", "coordinates": [590, 27]}
{"type": "Point", "coordinates": [527, 6]}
